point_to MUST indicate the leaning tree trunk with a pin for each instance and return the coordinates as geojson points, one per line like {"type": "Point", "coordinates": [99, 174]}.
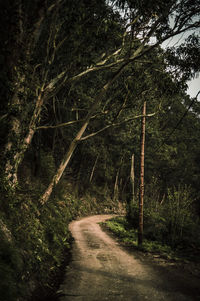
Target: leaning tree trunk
{"type": "Point", "coordinates": [64, 163]}
{"type": "Point", "coordinates": [44, 198]}
{"type": "Point", "coordinates": [93, 168]}
{"type": "Point", "coordinates": [141, 196]}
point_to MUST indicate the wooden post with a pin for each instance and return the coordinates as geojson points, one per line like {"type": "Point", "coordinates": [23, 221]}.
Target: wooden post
{"type": "Point", "coordinates": [141, 196]}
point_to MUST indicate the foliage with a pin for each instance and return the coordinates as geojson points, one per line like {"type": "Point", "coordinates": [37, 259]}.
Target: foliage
{"type": "Point", "coordinates": [47, 165]}
{"type": "Point", "coordinates": [127, 235]}
{"type": "Point", "coordinates": [170, 220]}
{"type": "Point", "coordinates": [35, 240]}
{"type": "Point", "coordinates": [181, 220]}
{"type": "Point", "coordinates": [119, 226]}
{"type": "Point", "coordinates": [11, 270]}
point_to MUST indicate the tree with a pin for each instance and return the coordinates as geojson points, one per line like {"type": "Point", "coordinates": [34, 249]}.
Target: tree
{"type": "Point", "coordinates": [30, 84]}
{"type": "Point", "coordinates": [134, 53]}
{"type": "Point", "coordinates": [24, 97]}
{"type": "Point", "coordinates": [141, 196]}
{"type": "Point", "coordinates": [146, 31]}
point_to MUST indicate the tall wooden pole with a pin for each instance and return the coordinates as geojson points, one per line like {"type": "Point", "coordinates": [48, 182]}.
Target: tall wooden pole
{"type": "Point", "coordinates": [141, 196]}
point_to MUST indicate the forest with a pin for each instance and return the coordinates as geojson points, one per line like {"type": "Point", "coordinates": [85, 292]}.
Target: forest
{"type": "Point", "coordinates": [74, 79]}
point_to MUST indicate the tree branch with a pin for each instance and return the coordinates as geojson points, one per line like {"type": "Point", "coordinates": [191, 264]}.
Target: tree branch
{"type": "Point", "coordinates": [64, 123]}
{"type": "Point", "coordinates": [58, 125]}
{"type": "Point", "coordinates": [139, 52]}
{"type": "Point", "coordinates": [3, 117]}
{"type": "Point", "coordinates": [115, 124]}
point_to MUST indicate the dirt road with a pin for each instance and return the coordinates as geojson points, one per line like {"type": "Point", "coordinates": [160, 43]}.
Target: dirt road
{"type": "Point", "coordinates": [102, 270]}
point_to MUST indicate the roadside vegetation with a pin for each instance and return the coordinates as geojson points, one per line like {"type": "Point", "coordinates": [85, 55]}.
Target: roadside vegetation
{"type": "Point", "coordinates": [171, 227]}
{"type": "Point", "coordinates": [35, 241]}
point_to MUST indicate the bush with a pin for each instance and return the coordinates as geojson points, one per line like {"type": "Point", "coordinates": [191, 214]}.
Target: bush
{"type": "Point", "coordinates": [47, 166]}
{"type": "Point", "coordinates": [171, 221]}
{"type": "Point", "coordinates": [181, 221]}
{"type": "Point", "coordinates": [11, 271]}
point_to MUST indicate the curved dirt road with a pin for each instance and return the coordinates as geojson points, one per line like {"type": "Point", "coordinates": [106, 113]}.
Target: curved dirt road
{"type": "Point", "coordinates": [101, 270]}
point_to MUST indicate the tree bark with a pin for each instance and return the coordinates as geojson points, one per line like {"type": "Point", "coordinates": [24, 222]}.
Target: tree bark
{"type": "Point", "coordinates": [93, 169]}
{"type": "Point", "coordinates": [22, 39]}
{"type": "Point", "coordinates": [44, 198]}
{"type": "Point", "coordinates": [116, 187]}
{"type": "Point", "coordinates": [132, 177]}
{"type": "Point", "coordinates": [141, 196]}
{"type": "Point", "coordinates": [18, 143]}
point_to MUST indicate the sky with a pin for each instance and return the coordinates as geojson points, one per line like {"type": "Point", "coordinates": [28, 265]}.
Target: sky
{"type": "Point", "coordinates": [194, 87]}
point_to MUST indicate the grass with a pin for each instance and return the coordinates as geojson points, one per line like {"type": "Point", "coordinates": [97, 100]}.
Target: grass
{"type": "Point", "coordinates": [128, 237]}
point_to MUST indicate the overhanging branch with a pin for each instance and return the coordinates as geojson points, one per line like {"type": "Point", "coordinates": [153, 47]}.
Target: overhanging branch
{"type": "Point", "coordinates": [115, 125]}
{"type": "Point", "coordinates": [58, 125]}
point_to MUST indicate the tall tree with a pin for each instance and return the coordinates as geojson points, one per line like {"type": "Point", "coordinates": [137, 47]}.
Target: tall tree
{"type": "Point", "coordinates": [141, 196]}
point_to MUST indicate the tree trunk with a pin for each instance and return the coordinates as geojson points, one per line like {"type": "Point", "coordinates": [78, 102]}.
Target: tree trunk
{"type": "Point", "coordinates": [93, 169]}
{"type": "Point", "coordinates": [22, 38]}
{"type": "Point", "coordinates": [132, 177]}
{"type": "Point", "coordinates": [141, 196]}
{"type": "Point", "coordinates": [18, 143]}
{"type": "Point", "coordinates": [116, 187]}
{"type": "Point", "coordinates": [44, 198]}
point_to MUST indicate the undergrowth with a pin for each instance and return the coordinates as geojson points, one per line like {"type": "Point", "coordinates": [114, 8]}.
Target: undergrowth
{"type": "Point", "coordinates": [35, 240]}
{"type": "Point", "coordinates": [128, 236]}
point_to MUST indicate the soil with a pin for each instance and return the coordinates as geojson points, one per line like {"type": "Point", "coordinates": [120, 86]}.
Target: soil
{"type": "Point", "coordinates": [101, 269]}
